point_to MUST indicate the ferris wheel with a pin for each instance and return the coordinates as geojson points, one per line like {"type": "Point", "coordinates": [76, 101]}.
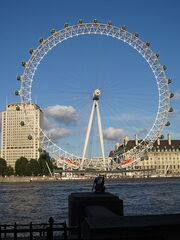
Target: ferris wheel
{"type": "Point", "coordinates": [143, 48]}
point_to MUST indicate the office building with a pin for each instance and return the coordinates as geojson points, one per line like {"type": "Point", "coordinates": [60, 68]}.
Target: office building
{"type": "Point", "coordinates": [20, 132]}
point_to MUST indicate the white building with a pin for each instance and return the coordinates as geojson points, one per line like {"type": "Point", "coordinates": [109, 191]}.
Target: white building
{"type": "Point", "coordinates": [164, 157]}
{"type": "Point", "coordinates": [20, 132]}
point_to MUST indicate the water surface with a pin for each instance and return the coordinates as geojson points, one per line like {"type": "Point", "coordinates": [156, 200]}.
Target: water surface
{"type": "Point", "coordinates": [37, 201]}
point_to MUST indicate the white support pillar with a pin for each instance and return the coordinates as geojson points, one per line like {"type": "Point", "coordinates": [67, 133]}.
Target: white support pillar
{"type": "Point", "coordinates": [100, 134]}
{"type": "Point", "coordinates": [94, 106]}
{"type": "Point", "coordinates": [88, 133]}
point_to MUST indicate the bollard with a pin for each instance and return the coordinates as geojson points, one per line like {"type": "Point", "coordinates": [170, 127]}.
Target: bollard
{"type": "Point", "coordinates": [50, 229]}
{"type": "Point", "coordinates": [5, 231]}
{"type": "Point", "coordinates": [15, 231]}
{"type": "Point", "coordinates": [31, 232]}
{"type": "Point", "coordinates": [65, 230]}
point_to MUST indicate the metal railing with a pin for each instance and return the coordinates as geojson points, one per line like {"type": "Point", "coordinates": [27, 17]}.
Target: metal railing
{"type": "Point", "coordinates": [49, 231]}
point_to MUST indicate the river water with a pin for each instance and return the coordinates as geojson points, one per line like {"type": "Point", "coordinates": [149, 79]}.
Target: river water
{"type": "Point", "coordinates": [37, 201]}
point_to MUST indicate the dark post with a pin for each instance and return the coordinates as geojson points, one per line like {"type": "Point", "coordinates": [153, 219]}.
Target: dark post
{"type": "Point", "coordinates": [0, 232]}
{"type": "Point", "coordinates": [50, 229]}
{"type": "Point", "coordinates": [15, 231]}
{"type": "Point", "coordinates": [65, 230]}
{"type": "Point", "coordinates": [5, 231]}
{"type": "Point", "coordinates": [31, 232]}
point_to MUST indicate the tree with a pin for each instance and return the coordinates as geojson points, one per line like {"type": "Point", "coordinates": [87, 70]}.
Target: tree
{"type": "Point", "coordinates": [9, 171]}
{"type": "Point", "coordinates": [3, 166]}
{"type": "Point", "coordinates": [43, 160]}
{"type": "Point", "coordinates": [21, 167]}
{"type": "Point", "coordinates": [34, 167]}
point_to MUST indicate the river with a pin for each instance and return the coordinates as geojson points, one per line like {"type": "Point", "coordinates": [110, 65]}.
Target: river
{"type": "Point", "coordinates": [37, 201]}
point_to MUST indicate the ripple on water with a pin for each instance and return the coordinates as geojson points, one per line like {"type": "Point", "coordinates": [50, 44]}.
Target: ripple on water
{"type": "Point", "coordinates": [37, 201]}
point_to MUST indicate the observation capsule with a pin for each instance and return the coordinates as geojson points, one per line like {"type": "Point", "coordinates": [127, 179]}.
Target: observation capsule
{"type": "Point", "coordinates": [95, 21]}
{"type": "Point", "coordinates": [169, 80]}
{"type": "Point", "coordinates": [41, 40]}
{"type": "Point", "coordinates": [167, 124]}
{"type": "Point", "coordinates": [147, 44]}
{"type": "Point", "coordinates": [123, 27]}
{"type": "Point", "coordinates": [30, 137]}
{"type": "Point", "coordinates": [66, 25]}
{"type": "Point", "coordinates": [22, 123]}
{"type": "Point", "coordinates": [53, 31]}
{"type": "Point", "coordinates": [23, 64]}
{"type": "Point", "coordinates": [31, 51]}
{"type": "Point", "coordinates": [80, 21]}
{"type": "Point", "coordinates": [161, 137]}
{"type": "Point", "coordinates": [170, 109]}
{"type": "Point", "coordinates": [136, 34]}
{"type": "Point", "coordinates": [164, 67]}
{"type": "Point", "coordinates": [40, 150]}
{"type": "Point", "coordinates": [18, 77]}
{"type": "Point", "coordinates": [109, 23]}
{"type": "Point", "coordinates": [16, 92]}
{"type": "Point", "coordinates": [18, 108]}
{"type": "Point", "coordinates": [171, 95]}
{"type": "Point", "coordinates": [153, 149]}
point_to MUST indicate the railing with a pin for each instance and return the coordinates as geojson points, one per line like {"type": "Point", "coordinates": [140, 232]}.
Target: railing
{"type": "Point", "coordinates": [49, 231]}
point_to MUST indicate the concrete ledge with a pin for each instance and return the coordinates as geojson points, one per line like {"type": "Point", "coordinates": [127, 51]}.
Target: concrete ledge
{"type": "Point", "coordinates": [153, 227]}
{"type": "Point", "coordinates": [79, 201]}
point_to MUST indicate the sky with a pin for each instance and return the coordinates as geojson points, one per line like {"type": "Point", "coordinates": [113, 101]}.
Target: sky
{"type": "Point", "coordinates": [68, 75]}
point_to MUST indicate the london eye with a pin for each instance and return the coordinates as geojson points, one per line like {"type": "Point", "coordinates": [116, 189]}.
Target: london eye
{"type": "Point", "coordinates": [133, 155]}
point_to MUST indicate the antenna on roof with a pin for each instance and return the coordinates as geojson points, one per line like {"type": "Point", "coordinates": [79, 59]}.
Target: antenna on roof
{"type": "Point", "coordinates": [6, 100]}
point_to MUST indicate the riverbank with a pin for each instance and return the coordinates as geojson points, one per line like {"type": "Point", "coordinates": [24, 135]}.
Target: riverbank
{"type": "Point", "coordinates": [39, 179]}
{"type": "Point", "coordinates": [25, 179]}
{"type": "Point", "coordinates": [53, 179]}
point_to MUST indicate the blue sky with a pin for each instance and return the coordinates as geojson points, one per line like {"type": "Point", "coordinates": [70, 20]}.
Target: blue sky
{"type": "Point", "coordinates": [68, 75]}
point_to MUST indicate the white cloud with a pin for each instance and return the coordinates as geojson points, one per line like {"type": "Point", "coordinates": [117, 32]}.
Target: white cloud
{"type": "Point", "coordinates": [0, 120]}
{"type": "Point", "coordinates": [125, 117]}
{"type": "Point", "coordinates": [47, 124]}
{"type": "Point", "coordinates": [177, 95]}
{"type": "Point", "coordinates": [57, 133]}
{"type": "Point", "coordinates": [53, 131]}
{"type": "Point", "coordinates": [175, 113]}
{"type": "Point", "coordinates": [62, 114]}
{"type": "Point", "coordinates": [113, 134]}
{"type": "Point", "coordinates": [142, 132]}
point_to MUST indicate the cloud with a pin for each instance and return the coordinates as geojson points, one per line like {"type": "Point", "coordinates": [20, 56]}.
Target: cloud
{"type": "Point", "coordinates": [53, 131]}
{"type": "Point", "coordinates": [47, 124]}
{"type": "Point", "coordinates": [125, 117]}
{"type": "Point", "coordinates": [175, 114]}
{"type": "Point", "coordinates": [177, 95]}
{"type": "Point", "coordinates": [62, 114]}
{"type": "Point", "coordinates": [113, 134]}
{"type": "Point", "coordinates": [0, 121]}
{"type": "Point", "coordinates": [57, 133]}
{"type": "Point", "coordinates": [142, 132]}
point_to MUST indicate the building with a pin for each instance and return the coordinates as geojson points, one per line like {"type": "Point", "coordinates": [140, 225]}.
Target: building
{"type": "Point", "coordinates": [163, 157]}
{"type": "Point", "coordinates": [20, 132]}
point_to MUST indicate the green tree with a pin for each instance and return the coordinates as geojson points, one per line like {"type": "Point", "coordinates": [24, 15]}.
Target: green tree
{"type": "Point", "coordinates": [34, 167]}
{"type": "Point", "coordinates": [3, 166]}
{"type": "Point", "coordinates": [43, 161]}
{"type": "Point", "coordinates": [9, 171]}
{"type": "Point", "coordinates": [27, 171]}
{"type": "Point", "coordinates": [21, 166]}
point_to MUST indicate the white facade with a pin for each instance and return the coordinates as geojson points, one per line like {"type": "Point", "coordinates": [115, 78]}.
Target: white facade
{"type": "Point", "coordinates": [162, 159]}
{"type": "Point", "coordinates": [20, 132]}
